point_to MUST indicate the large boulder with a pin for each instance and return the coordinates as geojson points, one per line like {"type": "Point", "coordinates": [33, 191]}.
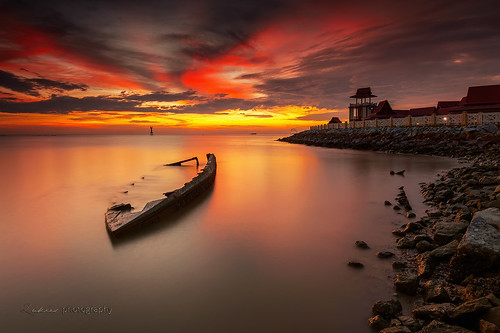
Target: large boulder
{"type": "Point", "coordinates": [433, 311]}
{"type": "Point", "coordinates": [387, 309]}
{"type": "Point", "coordinates": [478, 251]}
{"type": "Point", "coordinates": [406, 283]}
{"type": "Point", "coordinates": [490, 216]}
{"type": "Point", "coordinates": [470, 310]}
{"type": "Point", "coordinates": [444, 232]}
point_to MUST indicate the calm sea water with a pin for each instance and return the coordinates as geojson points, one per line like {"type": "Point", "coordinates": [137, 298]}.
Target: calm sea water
{"type": "Point", "coordinates": [265, 251]}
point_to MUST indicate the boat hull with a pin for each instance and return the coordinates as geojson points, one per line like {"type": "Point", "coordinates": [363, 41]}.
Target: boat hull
{"type": "Point", "coordinates": [119, 221]}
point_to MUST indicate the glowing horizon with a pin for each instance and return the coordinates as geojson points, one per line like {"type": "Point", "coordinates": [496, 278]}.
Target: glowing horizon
{"type": "Point", "coordinates": [248, 66]}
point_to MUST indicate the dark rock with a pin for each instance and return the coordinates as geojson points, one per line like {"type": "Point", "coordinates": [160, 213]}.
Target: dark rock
{"type": "Point", "coordinates": [378, 322]}
{"type": "Point", "coordinates": [413, 324]}
{"type": "Point", "coordinates": [406, 242]}
{"type": "Point", "coordinates": [434, 213]}
{"type": "Point", "coordinates": [412, 227]}
{"type": "Point", "coordinates": [399, 265]}
{"type": "Point", "coordinates": [396, 329]}
{"type": "Point", "coordinates": [490, 216]}
{"type": "Point", "coordinates": [355, 264]}
{"type": "Point", "coordinates": [396, 207]}
{"type": "Point", "coordinates": [398, 232]}
{"type": "Point", "coordinates": [384, 254]}
{"type": "Point", "coordinates": [406, 283]}
{"type": "Point", "coordinates": [433, 311]}
{"type": "Point", "coordinates": [387, 203]}
{"type": "Point", "coordinates": [470, 310]}
{"type": "Point", "coordinates": [435, 293]}
{"type": "Point", "coordinates": [488, 327]}
{"type": "Point", "coordinates": [439, 327]}
{"type": "Point", "coordinates": [425, 265]}
{"type": "Point", "coordinates": [493, 316]}
{"type": "Point", "coordinates": [478, 251]}
{"type": "Point", "coordinates": [445, 252]}
{"type": "Point", "coordinates": [422, 237]}
{"type": "Point", "coordinates": [445, 231]}
{"type": "Point", "coordinates": [424, 246]}
{"type": "Point", "coordinates": [387, 309]}
{"type": "Point", "coordinates": [362, 245]}
{"type": "Point", "coordinates": [410, 215]}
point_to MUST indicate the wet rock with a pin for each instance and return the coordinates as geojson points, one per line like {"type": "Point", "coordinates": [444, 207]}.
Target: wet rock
{"type": "Point", "coordinates": [396, 329]}
{"type": "Point", "coordinates": [355, 264]}
{"type": "Point", "coordinates": [439, 327]}
{"type": "Point", "coordinates": [406, 242]}
{"type": "Point", "coordinates": [396, 207]}
{"type": "Point", "coordinates": [387, 309]}
{"type": "Point", "coordinates": [463, 215]}
{"type": "Point", "coordinates": [424, 246]}
{"type": "Point", "coordinates": [412, 227]}
{"type": "Point", "coordinates": [413, 324]}
{"type": "Point", "coordinates": [362, 245]}
{"type": "Point", "coordinates": [433, 311]}
{"type": "Point", "coordinates": [435, 293]}
{"type": "Point", "coordinates": [398, 232]}
{"type": "Point", "coordinates": [384, 254]}
{"type": "Point", "coordinates": [410, 215]}
{"type": "Point", "coordinates": [419, 238]}
{"type": "Point", "coordinates": [378, 322]}
{"type": "Point", "coordinates": [387, 203]}
{"type": "Point", "coordinates": [470, 310]}
{"type": "Point", "coordinates": [425, 265]}
{"type": "Point", "coordinates": [444, 232]}
{"type": "Point", "coordinates": [434, 213]}
{"type": "Point", "coordinates": [397, 265]}
{"type": "Point", "coordinates": [445, 252]}
{"type": "Point", "coordinates": [478, 251]}
{"type": "Point", "coordinates": [406, 283]}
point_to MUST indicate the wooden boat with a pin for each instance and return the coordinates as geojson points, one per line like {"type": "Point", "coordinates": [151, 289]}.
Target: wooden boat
{"type": "Point", "coordinates": [120, 218]}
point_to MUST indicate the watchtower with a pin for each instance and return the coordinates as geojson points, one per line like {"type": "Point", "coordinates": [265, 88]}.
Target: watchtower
{"type": "Point", "coordinates": [363, 106]}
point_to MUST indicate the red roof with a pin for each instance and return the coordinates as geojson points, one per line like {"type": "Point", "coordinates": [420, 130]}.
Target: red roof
{"type": "Point", "coordinates": [447, 104]}
{"type": "Point", "coordinates": [417, 112]}
{"type": "Point", "coordinates": [335, 120]}
{"type": "Point", "coordinates": [483, 95]}
{"type": "Point", "coordinates": [383, 108]}
{"type": "Point", "coordinates": [363, 93]}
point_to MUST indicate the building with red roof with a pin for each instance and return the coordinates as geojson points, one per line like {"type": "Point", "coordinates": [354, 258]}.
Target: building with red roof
{"type": "Point", "coordinates": [478, 99]}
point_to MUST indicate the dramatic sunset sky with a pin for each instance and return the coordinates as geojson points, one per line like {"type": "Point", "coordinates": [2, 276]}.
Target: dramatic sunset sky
{"type": "Point", "coordinates": [232, 65]}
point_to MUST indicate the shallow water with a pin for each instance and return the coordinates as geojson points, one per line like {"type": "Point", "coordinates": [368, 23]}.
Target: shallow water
{"type": "Point", "coordinates": [265, 251]}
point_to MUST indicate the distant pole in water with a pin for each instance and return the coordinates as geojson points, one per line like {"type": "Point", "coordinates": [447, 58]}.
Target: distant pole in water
{"type": "Point", "coordinates": [151, 132]}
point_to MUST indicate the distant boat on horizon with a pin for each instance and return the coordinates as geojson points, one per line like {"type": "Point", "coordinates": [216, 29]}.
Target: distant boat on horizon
{"type": "Point", "coordinates": [253, 133]}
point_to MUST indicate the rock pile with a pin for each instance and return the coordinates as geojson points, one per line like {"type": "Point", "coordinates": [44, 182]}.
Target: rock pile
{"type": "Point", "coordinates": [451, 257]}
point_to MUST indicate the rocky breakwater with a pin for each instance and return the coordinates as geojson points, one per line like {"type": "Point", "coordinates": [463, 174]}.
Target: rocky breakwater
{"type": "Point", "coordinates": [451, 257]}
{"type": "Point", "coordinates": [448, 267]}
{"type": "Point", "coordinates": [442, 141]}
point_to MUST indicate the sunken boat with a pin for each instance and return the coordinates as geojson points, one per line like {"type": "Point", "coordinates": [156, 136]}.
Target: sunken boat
{"type": "Point", "coordinates": [120, 218]}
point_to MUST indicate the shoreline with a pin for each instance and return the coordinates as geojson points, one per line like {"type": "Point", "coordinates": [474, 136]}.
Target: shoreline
{"type": "Point", "coordinates": [449, 260]}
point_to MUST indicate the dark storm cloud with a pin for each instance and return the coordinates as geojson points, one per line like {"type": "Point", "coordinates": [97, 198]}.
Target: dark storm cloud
{"type": "Point", "coordinates": [221, 104]}
{"type": "Point", "coordinates": [408, 54]}
{"type": "Point", "coordinates": [67, 104]}
{"type": "Point", "coordinates": [162, 96]}
{"type": "Point", "coordinates": [32, 86]}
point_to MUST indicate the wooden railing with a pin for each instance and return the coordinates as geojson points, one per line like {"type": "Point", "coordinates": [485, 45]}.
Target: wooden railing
{"type": "Point", "coordinates": [458, 119]}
